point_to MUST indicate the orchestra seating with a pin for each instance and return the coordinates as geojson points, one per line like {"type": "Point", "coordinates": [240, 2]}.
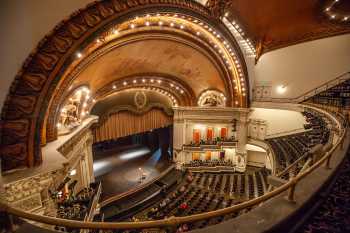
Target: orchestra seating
{"type": "Point", "coordinates": [203, 192]}
{"type": "Point", "coordinates": [288, 149]}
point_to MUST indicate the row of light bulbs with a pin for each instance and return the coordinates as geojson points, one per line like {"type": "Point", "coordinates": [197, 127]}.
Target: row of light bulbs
{"type": "Point", "coordinates": [163, 92]}
{"type": "Point", "coordinates": [208, 29]}
{"type": "Point", "coordinates": [205, 27]}
{"type": "Point", "coordinates": [328, 9]}
{"type": "Point", "coordinates": [144, 80]}
{"type": "Point", "coordinates": [245, 42]}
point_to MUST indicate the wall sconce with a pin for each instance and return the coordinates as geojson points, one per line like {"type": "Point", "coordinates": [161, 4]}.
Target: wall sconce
{"type": "Point", "coordinates": [73, 172]}
{"type": "Point", "coordinates": [281, 89]}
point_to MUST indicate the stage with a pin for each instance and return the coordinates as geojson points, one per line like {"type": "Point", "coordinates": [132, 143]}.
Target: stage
{"type": "Point", "coordinates": [121, 171]}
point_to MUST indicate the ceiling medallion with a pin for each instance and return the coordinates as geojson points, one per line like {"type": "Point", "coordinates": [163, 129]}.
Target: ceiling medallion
{"type": "Point", "coordinates": [140, 99]}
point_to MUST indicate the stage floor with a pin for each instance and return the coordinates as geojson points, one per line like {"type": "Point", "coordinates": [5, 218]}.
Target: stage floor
{"type": "Point", "coordinates": [119, 171]}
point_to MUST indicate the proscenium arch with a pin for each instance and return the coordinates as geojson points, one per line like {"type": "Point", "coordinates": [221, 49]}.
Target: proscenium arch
{"type": "Point", "coordinates": [130, 38]}
{"type": "Point", "coordinates": [26, 105]}
{"type": "Point", "coordinates": [143, 36]}
{"type": "Point", "coordinates": [113, 46]}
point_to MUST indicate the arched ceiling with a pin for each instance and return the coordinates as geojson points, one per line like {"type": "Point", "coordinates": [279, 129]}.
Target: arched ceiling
{"type": "Point", "coordinates": [89, 49]}
{"type": "Point", "coordinates": [163, 56]}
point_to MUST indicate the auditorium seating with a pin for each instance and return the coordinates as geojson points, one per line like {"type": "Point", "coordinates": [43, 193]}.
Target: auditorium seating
{"type": "Point", "coordinates": [76, 207]}
{"type": "Point", "coordinates": [209, 163]}
{"type": "Point", "coordinates": [205, 192]}
{"type": "Point", "coordinates": [288, 149]}
{"type": "Point", "coordinates": [337, 96]}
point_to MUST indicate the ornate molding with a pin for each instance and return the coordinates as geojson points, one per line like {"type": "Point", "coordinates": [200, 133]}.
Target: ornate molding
{"type": "Point", "coordinates": [137, 111]}
{"type": "Point", "coordinates": [218, 7]}
{"type": "Point", "coordinates": [189, 40]}
{"type": "Point", "coordinates": [26, 104]}
{"type": "Point", "coordinates": [168, 84]}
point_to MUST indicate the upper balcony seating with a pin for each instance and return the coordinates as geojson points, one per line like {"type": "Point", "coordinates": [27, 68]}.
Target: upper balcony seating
{"type": "Point", "coordinates": [289, 148]}
{"type": "Point", "coordinates": [76, 207]}
{"type": "Point", "coordinates": [209, 163]}
{"type": "Point", "coordinates": [215, 141]}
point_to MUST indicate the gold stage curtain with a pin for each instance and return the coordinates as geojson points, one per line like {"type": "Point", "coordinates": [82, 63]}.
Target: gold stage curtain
{"type": "Point", "coordinates": [126, 123]}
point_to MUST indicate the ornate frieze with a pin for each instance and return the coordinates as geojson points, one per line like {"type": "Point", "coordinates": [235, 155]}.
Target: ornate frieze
{"type": "Point", "coordinates": [31, 194]}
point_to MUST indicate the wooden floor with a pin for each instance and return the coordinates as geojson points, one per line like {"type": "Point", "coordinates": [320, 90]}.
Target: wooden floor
{"type": "Point", "coordinates": [118, 170]}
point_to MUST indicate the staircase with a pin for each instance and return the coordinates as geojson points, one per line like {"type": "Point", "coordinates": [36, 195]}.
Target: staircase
{"type": "Point", "coordinates": [326, 91]}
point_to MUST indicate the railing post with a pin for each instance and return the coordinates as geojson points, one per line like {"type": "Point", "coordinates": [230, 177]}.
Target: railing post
{"type": "Point", "coordinates": [342, 143]}
{"type": "Point", "coordinates": [328, 161]}
{"type": "Point", "coordinates": [291, 191]}
{"type": "Point", "coordinates": [6, 221]}
{"type": "Point", "coordinates": [172, 223]}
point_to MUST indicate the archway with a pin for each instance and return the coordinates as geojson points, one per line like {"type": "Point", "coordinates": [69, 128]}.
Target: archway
{"type": "Point", "coordinates": [37, 92]}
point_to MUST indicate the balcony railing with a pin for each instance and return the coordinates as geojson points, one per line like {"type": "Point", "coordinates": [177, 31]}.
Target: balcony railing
{"type": "Point", "coordinates": [289, 186]}
{"type": "Point", "coordinates": [210, 145]}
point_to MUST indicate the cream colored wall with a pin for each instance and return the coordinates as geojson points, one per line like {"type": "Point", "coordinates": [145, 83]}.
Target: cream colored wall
{"type": "Point", "coordinates": [304, 66]}
{"type": "Point", "coordinates": [256, 158]}
{"type": "Point", "coordinates": [277, 120]}
{"type": "Point", "coordinates": [23, 24]}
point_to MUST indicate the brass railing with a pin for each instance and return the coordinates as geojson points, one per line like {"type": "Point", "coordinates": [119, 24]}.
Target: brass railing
{"type": "Point", "coordinates": [173, 221]}
{"type": "Point", "coordinates": [294, 168]}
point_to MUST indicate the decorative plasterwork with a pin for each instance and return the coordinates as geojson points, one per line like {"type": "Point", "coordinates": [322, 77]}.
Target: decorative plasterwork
{"type": "Point", "coordinates": [73, 110]}
{"type": "Point", "coordinates": [234, 68]}
{"type": "Point", "coordinates": [182, 93]}
{"type": "Point", "coordinates": [23, 114]}
{"type": "Point", "coordinates": [138, 111]}
{"type": "Point", "coordinates": [212, 98]}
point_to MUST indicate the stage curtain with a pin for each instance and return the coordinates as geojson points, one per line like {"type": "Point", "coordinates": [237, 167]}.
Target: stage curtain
{"type": "Point", "coordinates": [126, 123]}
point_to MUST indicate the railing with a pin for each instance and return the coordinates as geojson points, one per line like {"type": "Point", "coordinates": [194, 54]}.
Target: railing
{"type": "Point", "coordinates": [339, 79]}
{"type": "Point", "coordinates": [173, 221]}
{"type": "Point", "coordinates": [294, 168]}
{"type": "Point", "coordinates": [90, 215]}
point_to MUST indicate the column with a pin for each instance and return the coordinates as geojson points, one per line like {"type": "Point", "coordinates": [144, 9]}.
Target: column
{"type": "Point", "coordinates": [242, 137]}
{"type": "Point", "coordinates": [242, 133]}
{"type": "Point", "coordinates": [90, 160]}
{"type": "Point", "coordinates": [179, 137]}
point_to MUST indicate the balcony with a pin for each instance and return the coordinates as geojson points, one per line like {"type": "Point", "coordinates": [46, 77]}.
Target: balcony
{"type": "Point", "coordinates": [217, 145]}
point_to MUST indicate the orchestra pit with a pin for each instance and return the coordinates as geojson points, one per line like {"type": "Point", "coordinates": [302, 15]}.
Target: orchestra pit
{"type": "Point", "coordinates": [171, 116]}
